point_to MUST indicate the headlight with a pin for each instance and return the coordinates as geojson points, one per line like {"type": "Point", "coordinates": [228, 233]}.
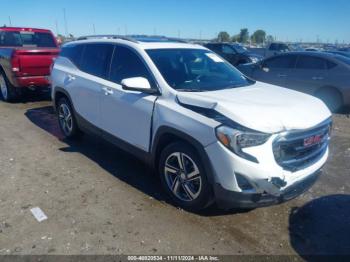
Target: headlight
{"type": "Point", "coordinates": [236, 140]}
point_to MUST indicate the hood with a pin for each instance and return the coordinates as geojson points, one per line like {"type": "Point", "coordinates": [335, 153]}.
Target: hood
{"type": "Point", "coordinates": [262, 107]}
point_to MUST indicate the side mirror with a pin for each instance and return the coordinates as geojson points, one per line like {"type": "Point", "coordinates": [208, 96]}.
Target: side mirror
{"type": "Point", "coordinates": [139, 84]}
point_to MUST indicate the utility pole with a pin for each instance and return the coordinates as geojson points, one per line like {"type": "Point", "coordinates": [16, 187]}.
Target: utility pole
{"type": "Point", "coordinates": [57, 31]}
{"type": "Point", "coordinates": [10, 22]}
{"type": "Point", "coordinates": [178, 33]}
{"type": "Point", "coordinates": [65, 21]}
{"type": "Point", "coordinates": [200, 35]}
{"type": "Point", "coordinates": [126, 29]}
{"type": "Point", "coordinates": [93, 29]}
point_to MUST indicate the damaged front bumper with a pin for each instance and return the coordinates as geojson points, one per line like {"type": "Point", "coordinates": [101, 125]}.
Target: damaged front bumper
{"type": "Point", "coordinates": [227, 199]}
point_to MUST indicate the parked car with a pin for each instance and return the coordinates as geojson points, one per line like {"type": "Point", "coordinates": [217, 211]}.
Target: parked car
{"type": "Point", "coordinates": [234, 53]}
{"type": "Point", "coordinates": [343, 53]}
{"type": "Point", "coordinates": [324, 75]}
{"type": "Point", "coordinates": [212, 133]}
{"type": "Point", "coordinates": [276, 48]}
{"type": "Point", "coordinates": [26, 55]}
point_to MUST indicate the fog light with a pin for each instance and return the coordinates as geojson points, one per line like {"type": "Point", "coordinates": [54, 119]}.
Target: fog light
{"type": "Point", "coordinates": [243, 183]}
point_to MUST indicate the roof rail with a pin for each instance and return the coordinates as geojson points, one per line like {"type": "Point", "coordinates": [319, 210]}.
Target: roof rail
{"type": "Point", "coordinates": [135, 38]}
{"type": "Point", "coordinates": [107, 37]}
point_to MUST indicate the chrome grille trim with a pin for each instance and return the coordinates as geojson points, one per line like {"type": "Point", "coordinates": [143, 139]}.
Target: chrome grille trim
{"type": "Point", "coordinates": [291, 153]}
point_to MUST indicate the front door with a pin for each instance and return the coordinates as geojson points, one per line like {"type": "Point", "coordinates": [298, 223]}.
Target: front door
{"type": "Point", "coordinates": [127, 115]}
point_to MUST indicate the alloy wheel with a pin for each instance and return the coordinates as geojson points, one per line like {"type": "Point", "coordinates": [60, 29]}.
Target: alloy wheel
{"type": "Point", "coordinates": [65, 119]}
{"type": "Point", "coordinates": [183, 177]}
{"type": "Point", "coordinates": [3, 87]}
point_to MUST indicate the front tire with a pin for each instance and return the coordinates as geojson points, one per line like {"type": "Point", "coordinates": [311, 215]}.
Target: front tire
{"type": "Point", "coordinates": [8, 91]}
{"type": "Point", "coordinates": [66, 119]}
{"type": "Point", "coordinates": [184, 178]}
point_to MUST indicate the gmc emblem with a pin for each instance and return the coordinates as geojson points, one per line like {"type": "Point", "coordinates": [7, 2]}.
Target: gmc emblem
{"type": "Point", "coordinates": [312, 140]}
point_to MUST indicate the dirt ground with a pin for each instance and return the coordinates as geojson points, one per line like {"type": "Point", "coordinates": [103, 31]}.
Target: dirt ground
{"type": "Point", "coordinates": [100, 200]}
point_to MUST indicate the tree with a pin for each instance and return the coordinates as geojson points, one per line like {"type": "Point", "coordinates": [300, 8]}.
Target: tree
{"type": "Point", "coordinates": [259, 36]}
{"type": "Point", "coordinates": [244, 35]}
{"type": "Point", "coordinates": [235, 38]}
{"type": "Point", "coordinates": [223, 37]}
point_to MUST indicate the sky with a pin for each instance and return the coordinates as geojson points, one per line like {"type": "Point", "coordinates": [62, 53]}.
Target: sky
{"type": "Point", "coordinates": [287, 20]}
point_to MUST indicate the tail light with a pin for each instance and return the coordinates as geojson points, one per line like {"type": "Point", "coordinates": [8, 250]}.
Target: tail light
{"type": "Point", "coordinates": [15, 64]}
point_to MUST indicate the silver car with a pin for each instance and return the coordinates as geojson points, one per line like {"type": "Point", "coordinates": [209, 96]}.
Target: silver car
{"type": "Point", "coordinates": [324, 75]}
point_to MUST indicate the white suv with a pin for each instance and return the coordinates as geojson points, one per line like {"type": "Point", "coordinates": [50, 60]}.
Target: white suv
{"type": "Point", "coordinates": [213, 134]}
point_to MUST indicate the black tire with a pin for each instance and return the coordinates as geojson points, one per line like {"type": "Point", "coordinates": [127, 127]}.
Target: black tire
{"type": "Point", "coordinates": [188, 187]}
{"type": "Point", "coordinates": [332, 98]}
{"type": "Point", "coordinates": [7, 90]}
{"type": "Point", "coordinates": [68, 125]}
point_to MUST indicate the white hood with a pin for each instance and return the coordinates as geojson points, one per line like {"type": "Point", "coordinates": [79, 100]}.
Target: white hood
{"type": "Point", "coordinates": [262, 107]}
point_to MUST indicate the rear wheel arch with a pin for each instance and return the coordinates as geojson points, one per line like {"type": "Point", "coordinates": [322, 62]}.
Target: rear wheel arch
{"type": "Point", "coordinates": [337, 96]}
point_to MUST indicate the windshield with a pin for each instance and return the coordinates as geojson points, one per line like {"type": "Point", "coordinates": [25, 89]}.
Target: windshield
{"type": "Point", "coordinates": [240, 49]}
{"type": "Point", "coordinates": [26, 39]}
{"type": "Point", "coordinates": [194, 70]}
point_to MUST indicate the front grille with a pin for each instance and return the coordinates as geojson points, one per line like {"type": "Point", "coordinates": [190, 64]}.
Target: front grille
{"type": "Point", "coordinates": [296, 150]}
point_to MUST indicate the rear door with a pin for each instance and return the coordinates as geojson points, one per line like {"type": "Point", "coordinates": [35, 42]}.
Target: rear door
{"type": "Point", "coordinates": [84, 85]}
{"type": "Point", "coordinates": [310, 73]}
{"type": "Point", "coordinates": [275, 70]}
{"type": "Point", "coordinates": [127, 115]}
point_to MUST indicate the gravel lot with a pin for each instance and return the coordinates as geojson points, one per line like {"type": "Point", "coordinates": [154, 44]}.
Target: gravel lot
{"type": "Point", "coordinates": [100, 200]}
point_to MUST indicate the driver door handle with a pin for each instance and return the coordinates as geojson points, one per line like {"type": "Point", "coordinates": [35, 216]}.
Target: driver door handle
{"type": "Point", "coordinates": [107, 90]}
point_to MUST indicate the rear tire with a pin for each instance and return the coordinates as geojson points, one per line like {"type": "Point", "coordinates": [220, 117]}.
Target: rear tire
{"type": "Point", "coordinates": [184, 178]}
{"type": "Point", "coordinates": [332, 98]}
{"type": "Point", "coordinates": [7, 90]}
{"type": "Point", "coordinates": [67, 120]}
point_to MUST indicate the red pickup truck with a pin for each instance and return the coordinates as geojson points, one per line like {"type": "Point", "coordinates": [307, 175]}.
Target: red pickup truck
{"type": "Point", "coordinates": [26, 56]}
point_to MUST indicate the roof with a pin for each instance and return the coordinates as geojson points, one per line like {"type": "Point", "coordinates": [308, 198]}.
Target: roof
{"type": "Point", "coordinates": [144, 42]}
{"type": "Point", "coordinates": [25, 29]}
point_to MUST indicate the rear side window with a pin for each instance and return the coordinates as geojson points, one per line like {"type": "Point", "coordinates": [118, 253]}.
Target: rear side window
{"type": "Point", "coordinates": [27, 39]}
{"type": "Point", "coordinates": [286, 61]}
{"type": "Point", "coordinates": [311, 63]}
{"type": "Point", "coordinates": [73, 53]}
{"type": "Point", "coordinates": [126, 64]}
{"type": "Point", "coordinates": [96, 59]}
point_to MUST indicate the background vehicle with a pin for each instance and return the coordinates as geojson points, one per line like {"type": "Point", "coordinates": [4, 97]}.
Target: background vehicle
{"type": "Point", "coordinates": [343, 53]}
{"type": "Point", "coordinates": [212, 133]}
{"type": "Point", "coordinates": [271, 49]}
{"type": "Point", "coordinates": [234, 53]}
{"type": "Point", "coordinates": [26, 55]}
{"type": "Point", "coordinates": [324, 75]}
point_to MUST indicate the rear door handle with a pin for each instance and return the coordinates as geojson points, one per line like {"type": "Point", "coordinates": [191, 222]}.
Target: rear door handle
{"type": "Point", "coordinates": [317, 78]}
{"type": "Point", "coordinates": [108, 91]}
{"type": "Point", "coordinates": [282, 75]}
{"type": "Point", "coordinates": [70, 78]}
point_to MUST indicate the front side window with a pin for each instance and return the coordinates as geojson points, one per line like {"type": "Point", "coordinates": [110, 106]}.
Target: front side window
{"type": "Point", "coordinates": [27, 39]}
{"type": "Point", "coordinates": [240, 49]}
{"type": "Point", "coordinates": [126, 64]}
{"type": "Point", "coordinates": [286, 61]}
{"type": "Point", "coordinates": [311, 63]}
{"type": "Point", "coordinates": [196, 70]}
{"type": "Point", "coordinates": [96, 59]}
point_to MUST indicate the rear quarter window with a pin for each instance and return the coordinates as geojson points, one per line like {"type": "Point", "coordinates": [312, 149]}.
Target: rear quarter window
{"type": "Point", "coordinates": [73, 53]}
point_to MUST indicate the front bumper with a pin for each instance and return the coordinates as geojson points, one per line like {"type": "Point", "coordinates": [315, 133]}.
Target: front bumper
{"type": "Point", "coordinates": [227, 199]}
